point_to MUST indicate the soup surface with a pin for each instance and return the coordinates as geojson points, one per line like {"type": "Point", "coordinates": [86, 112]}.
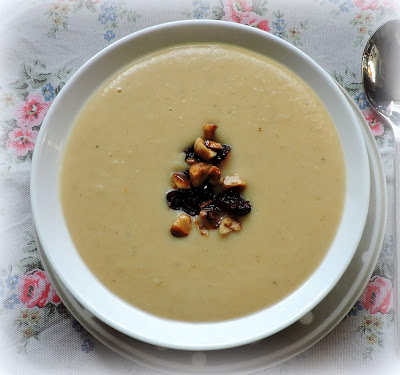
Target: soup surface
{"type": "Point", "coordinates": [129, 138]}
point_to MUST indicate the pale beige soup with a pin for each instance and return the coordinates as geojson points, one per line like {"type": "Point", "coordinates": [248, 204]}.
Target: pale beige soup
{"type": "Point", "coordinates": [128, 140]}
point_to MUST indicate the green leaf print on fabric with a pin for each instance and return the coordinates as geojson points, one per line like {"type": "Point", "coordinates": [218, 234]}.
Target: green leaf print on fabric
{"type": "Point", "coordinates": [29, 263]}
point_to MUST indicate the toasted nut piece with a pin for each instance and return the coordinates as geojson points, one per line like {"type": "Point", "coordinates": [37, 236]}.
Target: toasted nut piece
{"type": "Point", "coordinates": [233, 181]}
{"type": "Point", "coordinates": [209, 130]}
{"type": "Point", "coordinates": [229, 225]}
{"type": "Point", "coordinates": [202, 150]}
{"type": "Point", "coordinates": [182, 226]}
{"type": "Point", "coordinates": [213, 145]}
{"type": "Point", "coordinates": [199, 173]}
{"type": "Point", "coordinates": [191, 161]}
{"type": "Point", "coordinates": [181, 181]}
{"type": "Point", "coordinates": [203, 231]}
{"type": "Point", "coordinates": [214, 175]}
{"type": "Point", "coordinates": [210, 219]}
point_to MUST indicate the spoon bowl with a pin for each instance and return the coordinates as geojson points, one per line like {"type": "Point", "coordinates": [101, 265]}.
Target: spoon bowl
{"type": "Point", "coordinates": [381, 70]}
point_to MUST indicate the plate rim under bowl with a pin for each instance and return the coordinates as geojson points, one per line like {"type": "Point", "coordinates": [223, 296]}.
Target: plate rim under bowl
{"type": "Point", "coordinates": [147, 355]}
{"type": "Point", "coordinates": [229, 333]}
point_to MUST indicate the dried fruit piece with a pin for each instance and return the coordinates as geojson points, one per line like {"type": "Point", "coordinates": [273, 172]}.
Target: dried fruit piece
{"type": "Point", "coordinates": [190, 156]}
{"type": "Point", "coordinates": [209, 130]}
{"type": "Point", "coordinates": [213, 145]}
{"type": "Point", "coordinates": [199, 173]}
{"type": "Point", "coordinates": [233, 181]}
{"type": "Point", "coordinates": [204, 204]}
{"type": "Point", "coordinates": [205, 193]}
{"type": "Point", "coordinates": [202, 150]}
{"type": "Point", "coordinates": [190, 200]}
{"type": "Point", "coordinates": [185, 200]}
{"type": "Point", "coordinates": [229, 225]}
{"type": "Point", "coordinates": [182, 226]}
{"type": "Point", "coordinates": [210, 219]}
{"type": "Point", "coordinates": [214, 175]}
{"type": "Point", "coordinates": [231, 201]}
{"type": "Point", "coordinates": [221, 154]}
{"type": "Point", "coordinates": [181, 181]}
{"type": "Point", "coordinates": [210, 206]}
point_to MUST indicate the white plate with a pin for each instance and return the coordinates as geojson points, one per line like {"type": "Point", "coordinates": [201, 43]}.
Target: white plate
{"type": "Point", "coordinates": [119, 314]}
{"type": "Point", "coordinates": [283, 345]}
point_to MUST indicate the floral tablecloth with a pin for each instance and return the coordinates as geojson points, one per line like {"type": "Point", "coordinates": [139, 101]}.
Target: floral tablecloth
{"type": "Point", "coordinates": [42, 43]}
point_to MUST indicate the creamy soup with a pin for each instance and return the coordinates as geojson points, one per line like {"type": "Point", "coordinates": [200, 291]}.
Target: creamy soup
{"type": "Point", "coordinates": [129, 138]}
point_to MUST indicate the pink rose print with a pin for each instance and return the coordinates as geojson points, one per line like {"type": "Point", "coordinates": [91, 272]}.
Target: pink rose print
{"type": "Point", "coordinates": [34, 289]}
{"type": "Point", "coordinates": [240, 11]}
{"type": "Point", "coordinates": [377, 296]}
{"type": "Point", "coordinates": [263, 25]}
{"type": "Point", "coordinates": [21, 140]}
{"type": "Point", "coordinates": [32, 112]}
{"type": "Point", "coordinates": [375, 125]}
{"type": "Point", "coordinates": [237, 6]}
{"type": "Point", "coordinates": [375, 4]}
{"type": "Point", "coordinates": [55, 298]}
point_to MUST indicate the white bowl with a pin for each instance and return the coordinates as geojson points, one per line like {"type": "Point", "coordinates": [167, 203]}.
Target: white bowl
{"type": "Point", "coordinates": [84, 286]}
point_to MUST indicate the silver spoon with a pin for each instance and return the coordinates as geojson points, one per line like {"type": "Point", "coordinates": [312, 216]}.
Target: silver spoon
{"type": "Point", "coordinates": [381, 82]}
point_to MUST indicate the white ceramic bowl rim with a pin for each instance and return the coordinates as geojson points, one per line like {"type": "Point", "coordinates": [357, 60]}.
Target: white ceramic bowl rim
{"type": "Point", "coordinates": [83, 285]}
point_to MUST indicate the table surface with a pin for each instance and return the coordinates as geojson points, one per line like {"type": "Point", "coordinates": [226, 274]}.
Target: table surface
{"type": "Point", "coordinates": [42, 43]}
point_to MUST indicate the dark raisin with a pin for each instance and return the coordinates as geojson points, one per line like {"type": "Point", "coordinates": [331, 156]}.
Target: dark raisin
{"type": "Point", "coordinates": [211, 206]}
{"type": "Point", "coordinates": [184, 199]}
{"type": "Point", "coordinates": [221, 154]}
{"type": "Point", "coordinates": [231, 201]}
{"type": "Point", "coordinates": [191, 206]}
{"type": "Point", "coordinates": [205, 193]}
{"type": "Point", "coordinates": [191, 200]}
{"type": "Point", "coordinates": [190, 154]}
{"type": "Point", "coordinates": [174, 199]}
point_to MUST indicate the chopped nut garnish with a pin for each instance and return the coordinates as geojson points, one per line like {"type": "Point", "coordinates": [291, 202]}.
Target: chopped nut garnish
{"type": "Point", "coordinates": [198, 173]}
{"type": "Point", "coordinates": [229, 225]}
{"type": "Point", "coordinates": [182, 226]}
{"type": "Point", "coordinates": [203, 231]}
{"type": "Point", "coordinates": [209, 130]}
{"type": "Point", "coordinates": [203, 194]}
{"type": "Point", "coordinates": [181, 181]}
{"type": "Point", "coordinates": [191, 161]}
{"type": "Point", "coordinates": [210, 219]}
{"type": "Point", "coordinates": [213, 145]}
{"type": "Point", "coordinates": [214, 175]}
{"type": "Point", "coordinates": [202, 150]}
{"type": "Point", "coordinates": [230, 182]}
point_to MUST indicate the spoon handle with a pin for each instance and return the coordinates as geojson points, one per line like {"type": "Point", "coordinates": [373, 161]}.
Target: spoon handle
{"type": "Point", "coordinates": [396, 234]}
